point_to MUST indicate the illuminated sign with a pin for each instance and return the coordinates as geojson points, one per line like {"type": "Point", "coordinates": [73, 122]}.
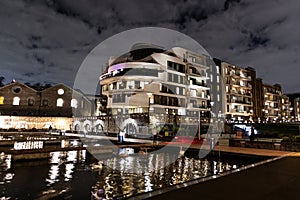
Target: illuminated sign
{"type": "Point", "coordinates": [28, 145]}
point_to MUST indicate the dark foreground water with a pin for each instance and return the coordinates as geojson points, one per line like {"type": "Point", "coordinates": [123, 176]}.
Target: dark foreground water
{"type": "Point", "coordinates": [70, 175]}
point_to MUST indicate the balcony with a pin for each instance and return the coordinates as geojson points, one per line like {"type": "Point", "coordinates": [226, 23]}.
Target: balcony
{"type": "Point", "coordinates": [241, 102]}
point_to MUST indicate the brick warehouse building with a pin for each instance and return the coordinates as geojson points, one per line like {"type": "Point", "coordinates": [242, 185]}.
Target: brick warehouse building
{"type": "Point", "coordinates": [18, 99]}
{"type": "Point", "coordinates": [19, 102]}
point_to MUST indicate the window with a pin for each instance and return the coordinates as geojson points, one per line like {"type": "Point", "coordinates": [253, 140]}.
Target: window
{"type": "Point", "coordinates": [169, 77]}
{"type": "Point", "coordinates": [193, 59]}
{"type": "Point", "coordinates": [45, 102]}
{"type": "Point", "coordinates": [176, 67]}
{"type": "Point", "coordinates": [218, 79]}
{"type": "Point", "coordinates": [137, 85]}
{"type": "Point", "coordinates": [218, 69]}
{"type": "Point", "coordinates": [114, 86]}
{"type": "Point", "coordinates": [175, 78]}
{"type": "Point", "coordinates": [1, 100]}
{"type": "Point", "coordinates": [105, 88]}
{"type": "Point", "coordinates": [60, 91]}
{"type": "Point", "coordinates": [16, 101]}
{"type": "Point", "coordinates": [30, 102]}
{"type": "Point", "coordinates": [59, 102]}
{"type": "Point", "coordinates": [16, 89]}
{"type": "Point", "coordinates": [74, 103]}
{"type": "Point", "coordinates": [118, 98]}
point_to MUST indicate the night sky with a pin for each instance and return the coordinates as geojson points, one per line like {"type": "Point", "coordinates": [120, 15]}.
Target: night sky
{"type": "Point", "coordinates": [47, 40]}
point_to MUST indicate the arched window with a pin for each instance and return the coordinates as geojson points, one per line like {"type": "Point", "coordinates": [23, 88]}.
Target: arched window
{"type": "Point", "coordinates": [1, 100]}
{"type": "Point", "coordinates": [59, 102]}
{"type": "Point", "coordinates": [30, 102]}
{"type": "Point", "coordinates": [16, 101]}
{"type": "Point", "coordinates": [74, 103]}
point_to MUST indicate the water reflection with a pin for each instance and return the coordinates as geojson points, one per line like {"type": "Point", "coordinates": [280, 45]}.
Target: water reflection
{"type": "Point", "coordinates": [6, 175]}
{"type": "Point", "coordinates": [130, 181]}
{"type": "Point", "coordinates": [76, 172]}
{"type": "Point", "coordinates": [63, 161]}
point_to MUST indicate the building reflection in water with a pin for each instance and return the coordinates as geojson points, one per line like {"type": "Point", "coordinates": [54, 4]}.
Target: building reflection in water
{"type": "Point", "coordinates": [6, 175]}
{"type": "Point", "coordinates": [62, 165]}
{"type": "Point", "coordinates": [140, 174]}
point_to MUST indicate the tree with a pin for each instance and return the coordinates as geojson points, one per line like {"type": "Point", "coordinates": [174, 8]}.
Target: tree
{"type": "Point", "coordinates": [1, 81]}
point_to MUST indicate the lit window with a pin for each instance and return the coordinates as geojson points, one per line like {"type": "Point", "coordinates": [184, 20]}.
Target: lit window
{"type": "Point", "coordinates": [16, 101]}
{"type": "Point", "coordinates": [74, 103]}
{"type": "Point", "coordinates": [218, 69]}
{"type": "Point", "coordinates": [1, 100]}
{"type": "Point", "coordinates": [59, 102]}
{"type": "Point", "coordinates": [60, 91]}
{"type": "Point", "coordinates": [30, 102]}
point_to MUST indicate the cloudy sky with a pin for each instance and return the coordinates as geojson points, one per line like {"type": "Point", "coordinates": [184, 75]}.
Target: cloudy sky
{"type": "Point", "coordinates": [47, 40]}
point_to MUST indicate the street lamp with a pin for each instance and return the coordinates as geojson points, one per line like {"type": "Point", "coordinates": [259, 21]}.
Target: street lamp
{"type": "Point", "coordinates": [149, 94]}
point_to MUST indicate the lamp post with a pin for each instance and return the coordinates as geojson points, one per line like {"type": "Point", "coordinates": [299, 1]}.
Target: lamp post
{"type": "Point", "coordinates": [199, 124]}
{"type": "Point", "coordinates": [149, 94]}
{"type": "Point", "coordinates": [211, 137]}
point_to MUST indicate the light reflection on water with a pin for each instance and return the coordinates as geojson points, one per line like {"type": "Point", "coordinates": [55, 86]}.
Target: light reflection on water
{"type": "Point", "coordinates": [69, 174]}
{"type": "Point", "coordinates": [130, 180]}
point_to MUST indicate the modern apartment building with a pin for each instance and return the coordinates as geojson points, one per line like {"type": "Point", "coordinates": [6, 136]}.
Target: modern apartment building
{"type": "Point", "coordinates": [294, 99]}
{"type": "Point", "coordinates": [239, 90]}
{"type": "Point", "coordinates": [164, 88]}
{"type": "Point", "coordinates": [285, 107]}
{"type": "Point", "coordinates": [272, 102]}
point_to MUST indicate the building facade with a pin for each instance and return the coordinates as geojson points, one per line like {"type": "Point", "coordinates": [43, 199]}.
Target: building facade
{"type": "Point", "coordinates": [286, 109]}
{"type": "Point", "coordinates": [294, 100]}
{"type": "Point", "coordinates": [151, 86]}
{"type": "Point", "coordinates": [239, 90]}
{"type": "Point", "coordinates": [272, 102]}
{"type": "Point", "coordinates": [37, 108]}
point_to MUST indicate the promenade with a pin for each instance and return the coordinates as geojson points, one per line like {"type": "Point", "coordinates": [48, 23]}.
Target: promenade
{"type": "Point", "coordinates": [275, 180]}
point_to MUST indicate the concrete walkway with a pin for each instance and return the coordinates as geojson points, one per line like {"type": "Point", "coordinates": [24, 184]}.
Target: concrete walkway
{"type": "Point", "coordinates": [271, 181]}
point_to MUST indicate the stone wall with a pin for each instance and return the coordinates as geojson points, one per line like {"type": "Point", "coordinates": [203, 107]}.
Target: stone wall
{"type": "Point", "coordinates": [283, 146]}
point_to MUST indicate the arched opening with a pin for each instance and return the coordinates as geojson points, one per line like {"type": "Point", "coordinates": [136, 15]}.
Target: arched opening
{"type": "Point", "coordinates": [74, 103]}
{"type": "Point", "coordinates": [130, 129]}
{"type": "Point", "coordinates": [87, 127]}
{"type": "Point", "coordinates": [59, 102]}
{"type": "Point", "coordinates": [99, 128]}
{"type": "Point", "coordinates": [16, 101]}
{"type": "Point", "coordinates": [77, 127]}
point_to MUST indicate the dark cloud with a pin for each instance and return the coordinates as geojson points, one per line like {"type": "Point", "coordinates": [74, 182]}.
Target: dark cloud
{"type": "Point", "coordinates": [56, 35]}
{"type": "Point", "coordinates": [29, 74]}
{"type": "Point", "coordinates": [39, 59]}
{"type": "Point", "coordinates": [229, 3]}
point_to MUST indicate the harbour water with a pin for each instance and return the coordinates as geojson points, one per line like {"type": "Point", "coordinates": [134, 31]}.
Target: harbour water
{"type": "Point", "coordinates": [76, 174]}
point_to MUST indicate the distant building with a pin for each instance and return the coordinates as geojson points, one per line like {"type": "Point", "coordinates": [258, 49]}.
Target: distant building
{"type": "Point", "coordinates": [17, 99]}
{"type": "Point", "coordinates": [295, 106]}
{"type": "Point", "coordinates": [240, 92]}
{"type": "Point", "coordinates": [272, 102]}
{"type": "Point", "coordinates": [286, 109]}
